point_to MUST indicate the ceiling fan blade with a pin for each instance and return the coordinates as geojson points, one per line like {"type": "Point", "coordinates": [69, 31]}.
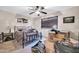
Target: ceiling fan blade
{"type": "Point", "coordinates": [42, 8]}
{"type": "Point", "coordinates": [37, 7]}
{"type": "Point", "coordinates": [31, 13]}
{"type": "Point", "coordinates": [43, 12]}
{"type": "Point", "coordinates": [38, 14]}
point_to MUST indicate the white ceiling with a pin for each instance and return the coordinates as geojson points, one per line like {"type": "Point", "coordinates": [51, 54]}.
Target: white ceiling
{"type": "Point", "coordinates": [24, 10]}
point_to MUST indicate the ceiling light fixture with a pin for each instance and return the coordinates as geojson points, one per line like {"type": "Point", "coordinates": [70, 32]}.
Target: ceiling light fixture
{"type": "Point", "coordinates": [37, 12]}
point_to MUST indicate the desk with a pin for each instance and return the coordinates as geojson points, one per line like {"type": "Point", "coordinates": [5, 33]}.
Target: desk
{"type": "Point", "coordinates": [60, 36]}
{"type": "Point", "coordinates": [49, 46]}
{"type": "Point", "coordinates": [51, 40]}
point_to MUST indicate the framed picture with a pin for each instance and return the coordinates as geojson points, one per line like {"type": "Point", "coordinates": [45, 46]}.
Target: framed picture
{"type": "Point", "coordinates": [49, 22]}
{"type": "Point", "coordinates": [70, 19]}
{"type": "Point", "coordinates": [22, 20]}
{"type": "Point", "coordinates": [25, 21]}
{"type": "Point", "coordinates": [19, 20]}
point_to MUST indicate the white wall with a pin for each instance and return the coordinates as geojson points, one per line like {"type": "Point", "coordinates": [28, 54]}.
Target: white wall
{"type": "Point", "coordinates": [9, 19]}
{"type": "Point", "coordinates": [37, 23]}
{"type": "Point", "coordinates": [69, 26]}
{"type": "Point", "coordinates": [5, 20]}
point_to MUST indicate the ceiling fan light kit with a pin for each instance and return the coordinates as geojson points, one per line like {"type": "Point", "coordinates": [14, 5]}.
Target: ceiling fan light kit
{"type": "Point", "coordinates": [38, 10]}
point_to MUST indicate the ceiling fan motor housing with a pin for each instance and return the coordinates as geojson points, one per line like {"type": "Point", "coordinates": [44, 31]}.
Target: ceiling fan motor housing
{"type": "Point", "coordinates": [38, 10]}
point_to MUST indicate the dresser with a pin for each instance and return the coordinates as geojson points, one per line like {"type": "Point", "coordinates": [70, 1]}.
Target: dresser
{"type": "Point", "coordinates": [51, 40]}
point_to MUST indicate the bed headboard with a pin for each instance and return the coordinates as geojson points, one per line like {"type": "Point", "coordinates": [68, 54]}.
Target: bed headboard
{"type": "Point", "coordinates": [18, 28]}
{"type": "Point", "coordinates": [22, 28]}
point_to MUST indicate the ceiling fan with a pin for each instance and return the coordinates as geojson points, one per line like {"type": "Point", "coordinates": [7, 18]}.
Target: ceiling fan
{"type": "Point", "coordinates": [38, 10]}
